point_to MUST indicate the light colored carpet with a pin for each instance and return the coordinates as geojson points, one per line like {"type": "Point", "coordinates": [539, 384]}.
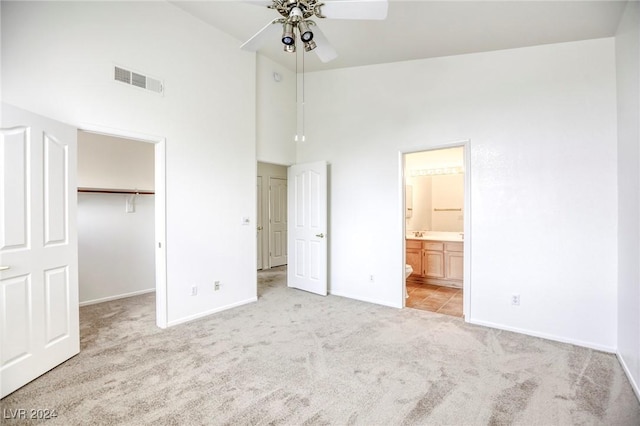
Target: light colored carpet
{"type": "Point", "coordinates": [299, 359]}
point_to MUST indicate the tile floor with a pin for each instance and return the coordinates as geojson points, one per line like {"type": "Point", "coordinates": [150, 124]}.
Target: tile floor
{"type": "Point", "coordinates": [427, 297]}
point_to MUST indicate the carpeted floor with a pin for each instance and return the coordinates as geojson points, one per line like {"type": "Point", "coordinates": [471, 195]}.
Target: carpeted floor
{"type": "Point", "coordinates": [294, 358]}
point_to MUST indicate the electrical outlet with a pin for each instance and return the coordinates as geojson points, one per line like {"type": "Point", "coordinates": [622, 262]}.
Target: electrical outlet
{"type": "Point", "coordinates": [515, 299]}
{"type": "Point", "coordinates": [371, 278]}
{"type": "Point", "coordinates": [194, 290]}
{"type": "Point", "coordinates": [216, 286]}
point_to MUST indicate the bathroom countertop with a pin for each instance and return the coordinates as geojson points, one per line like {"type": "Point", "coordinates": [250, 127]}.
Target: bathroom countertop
{"type": "Point", "coordinates": [438, 236]}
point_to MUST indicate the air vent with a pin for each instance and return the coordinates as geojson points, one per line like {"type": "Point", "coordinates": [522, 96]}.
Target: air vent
{"type": "Point", "coordinates": [138, 80]}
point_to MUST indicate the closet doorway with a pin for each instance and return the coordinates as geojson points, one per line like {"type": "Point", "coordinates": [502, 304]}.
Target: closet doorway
{"type": "Point", "coordinates": [271, 215]}
{"type": "Point", "coordinates": [121, 223]}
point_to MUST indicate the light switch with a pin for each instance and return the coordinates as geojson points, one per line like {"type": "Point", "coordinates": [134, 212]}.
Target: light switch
{"type": "Point", "coordinates": [245, 220]}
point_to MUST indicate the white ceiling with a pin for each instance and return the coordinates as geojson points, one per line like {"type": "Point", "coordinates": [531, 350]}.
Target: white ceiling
{"type": "Point", "coordinates": [424, 29]}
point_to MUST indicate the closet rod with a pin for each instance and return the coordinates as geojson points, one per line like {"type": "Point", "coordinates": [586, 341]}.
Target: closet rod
{"type": "Point", "coordinates": [116, 191]}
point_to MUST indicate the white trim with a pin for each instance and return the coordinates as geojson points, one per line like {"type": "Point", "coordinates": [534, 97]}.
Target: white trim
{"type": "Point", "coordinates": [117, 296]}
{"type": "Point", "coordinates": [367, 300]}
{"type": "Point", "coordinates": [160, 209]}
{"type": "Point", "coordinates": [466, 283]}
{"type": "Point", "coordinates": [212, 311]}
{"type": "Point", "coordinates": [609, 349]}
{"type": "Point", "coordinates": [634, 384]}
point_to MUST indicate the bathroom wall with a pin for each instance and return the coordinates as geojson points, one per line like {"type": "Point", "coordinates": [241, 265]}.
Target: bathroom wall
{"type": "Point", "coordinates": [421, 213]}
{"type": "Point", "coordinates": [436, 191]}
{"type": "Point", "coordinates": [447, 197]}
{"type": "Point", "coordinates": [432, 195]}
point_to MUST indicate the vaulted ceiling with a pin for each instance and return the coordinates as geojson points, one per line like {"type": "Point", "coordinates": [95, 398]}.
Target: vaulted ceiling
{"type": "Point", "coordinates": [424, 29]}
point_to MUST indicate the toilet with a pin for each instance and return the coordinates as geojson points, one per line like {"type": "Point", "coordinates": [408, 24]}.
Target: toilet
{"type": "Point", "coordinates": [408, 270]}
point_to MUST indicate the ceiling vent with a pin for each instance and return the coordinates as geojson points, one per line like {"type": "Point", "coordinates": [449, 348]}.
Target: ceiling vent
{"type": "Point", "coordinates": [138, 80]}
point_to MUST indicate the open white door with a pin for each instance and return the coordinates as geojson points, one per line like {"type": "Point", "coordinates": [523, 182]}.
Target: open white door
{"type": "Point", "coordinates": [307, 227]}
{"type": "Point", "coordinates": [39, 326]}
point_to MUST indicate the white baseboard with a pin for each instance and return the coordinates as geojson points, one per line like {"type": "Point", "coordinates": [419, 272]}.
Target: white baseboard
{"type": "Point", "coordinates": [211, 311]}
{"type": "Point", "coordinates": [116, 297]}
{"type": "Point", "coordinates": [589, 345]}
{"type": "Point", "coordinates": [633, 382]}
{"type": "Point", "coordinates": [364, 299]}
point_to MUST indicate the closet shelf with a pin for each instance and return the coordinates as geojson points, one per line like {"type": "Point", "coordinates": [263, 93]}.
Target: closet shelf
{"type": "Point", "coordinates": [116, 191]}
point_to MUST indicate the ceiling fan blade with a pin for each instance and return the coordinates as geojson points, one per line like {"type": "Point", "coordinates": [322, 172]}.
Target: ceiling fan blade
{"type": "Point", "coordinates": [268, 31]}
{"type": "Point", "coordinates": [324, 49]}
{"type": "Point", "coordinates": [355, 9]}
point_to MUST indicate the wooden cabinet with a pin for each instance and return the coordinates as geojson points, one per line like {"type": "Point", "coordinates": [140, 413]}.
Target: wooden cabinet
{"type": "Point", "coordinates": [453, 261]}
{"type": "Point", "coordinates": [414, 257]}
{"type": "Point", "coordinates": [433, 264]}
{"type": "Point", "coordinates": [436, 262]}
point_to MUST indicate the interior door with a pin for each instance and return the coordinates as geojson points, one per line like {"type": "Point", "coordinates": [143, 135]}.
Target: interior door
{"type": "Point", "coordinates": [307, 205]}
{"type": "Point", "coordinates": [277, 222]}
{"type": "Point", "coordinates": [259, 223]}
{"type": "Point", "coordinates": [39, 326]}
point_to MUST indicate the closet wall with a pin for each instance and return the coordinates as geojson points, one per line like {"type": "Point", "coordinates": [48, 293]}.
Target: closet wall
{"type": "Point", "coordinates": [115, 244]}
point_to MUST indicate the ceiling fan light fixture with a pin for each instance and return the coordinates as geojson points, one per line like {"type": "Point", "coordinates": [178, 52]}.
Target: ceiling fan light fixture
{"type": "Point", "coordinates": [296, 14]}
{"type": "Point", "coordinates": [305, 32]}
{"type": "Point", "coordinates": [288, 37]}
{"type": "Point", "coordinates": [290, 48]}
{"type": "Point", "coordinates": [309, 45]}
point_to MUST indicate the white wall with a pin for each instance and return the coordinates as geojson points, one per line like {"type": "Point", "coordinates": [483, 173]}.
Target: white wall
{"type": "Point", "coordinates": [542, 126]}
{"type": "Point", "coordinates": [628, 78]}
{"type": "Point", "coordinates": [108, 162]}
{"type": "Point", "coordinates": [57, 61]}
{"type": "Point", "coordinates": [116, 254]}
{"type": "Point", "coordinates": [275, 116]}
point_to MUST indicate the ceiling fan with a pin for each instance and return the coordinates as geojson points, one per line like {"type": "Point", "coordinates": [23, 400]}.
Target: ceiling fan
{"type": "Point", "coordinates": [295, 18]}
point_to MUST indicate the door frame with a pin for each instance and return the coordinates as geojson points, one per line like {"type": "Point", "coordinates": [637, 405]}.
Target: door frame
{"type": "Point", "coordinates": [160, 212]}
{"type": "Point", "coordinates": [266, 203]}
{"type": "Point", "coordinates": [260, 222]}
{"type": "Point", "coordinates": [466, 284]}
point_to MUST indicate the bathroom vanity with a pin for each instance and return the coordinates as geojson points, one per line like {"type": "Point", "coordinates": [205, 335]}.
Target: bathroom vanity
{"type": "Point", "coordinates": [436, 261]}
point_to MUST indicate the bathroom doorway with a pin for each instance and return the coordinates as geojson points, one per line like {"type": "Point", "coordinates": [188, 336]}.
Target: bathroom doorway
{"type": "Point", "coordinates": [435, 209]}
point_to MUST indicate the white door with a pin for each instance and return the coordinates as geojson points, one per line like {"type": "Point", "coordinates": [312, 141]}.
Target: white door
{"type": "Point", "coordinates": [308, 227]}
{"type": "Point", "coordinates": [277, 222]}
{"type": "Point", "coordinates": [259, 223]}
{"type": "Point", "coordinates": [39, 326]}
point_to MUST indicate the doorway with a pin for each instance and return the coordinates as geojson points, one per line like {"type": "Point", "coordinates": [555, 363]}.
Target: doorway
{"type": "Point", "coordinates": [436, 192]}
{"type": "Point", "coordinates": [130, 208]}
{"type": "Point", "coordinates": [271, 215]}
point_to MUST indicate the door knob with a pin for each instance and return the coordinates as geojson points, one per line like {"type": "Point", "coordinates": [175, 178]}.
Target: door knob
{"type": "Point", "coordinates": [259, 228]}
{"type": "Point", "coordinates": [3, 268]}
{"type": "Point", "coordinates": [321, 235]}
